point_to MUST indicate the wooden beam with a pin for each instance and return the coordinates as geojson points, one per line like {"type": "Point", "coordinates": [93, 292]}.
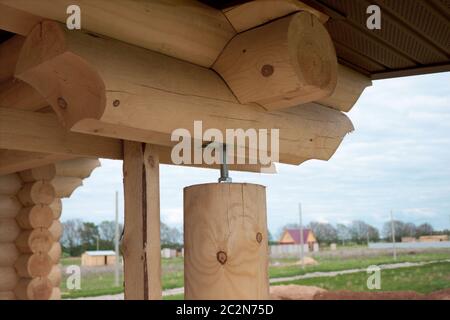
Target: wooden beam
{"type": "Point", "coordinates": [254, 13]}
{"type": "Point", "coordinates": [185, 29]}
{"type": "Point", "coordinates": [125, 101]}
{"type": "Point", "coordinates": [280, 64]}
{"type": "Point", "coordinates": [15, 93]}
{"type": "Point", "coordinates": [141, 241]}
{"type": "Point", "coordinates": [17, 21]}
{"type": "Point", "coordinates": [9, 53]}
{"type": "Point", "coordinates": [411, 72]}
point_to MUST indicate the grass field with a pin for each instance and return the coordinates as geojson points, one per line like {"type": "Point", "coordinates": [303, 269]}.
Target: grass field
{"type": "Point", "coordinates": [101, 282]}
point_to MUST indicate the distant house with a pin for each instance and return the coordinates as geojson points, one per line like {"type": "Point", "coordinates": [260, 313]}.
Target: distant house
{"type": "Point", "coordinates": [98, 258]}
{"type": "Point", "coordinates": [292, 236]}
{"type": "Point", "coordinates": [408, 239]}
{"type": "Point", "coordinates": [437, 238]}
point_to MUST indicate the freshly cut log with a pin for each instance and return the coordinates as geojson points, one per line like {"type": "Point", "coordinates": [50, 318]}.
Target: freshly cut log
{"type": "Point", "coordinates": [55, 276]}
{"type": "Point", "coordinates": [38, 192]}
{"type": "Point", "coordinates": [37, 216]}
{"type": "Point", "coordinates": [9, 206]}
{"type": "Point", "coordinates": [350, 86]}
{"type": "Point", "coordinates": [185, 29]}
{"type": "Point", "coordinates": [56, 207]}
{"type": "Point", "coordinates": [8, 254]}
{"type": "Point", "coordinates": [78, 168]}
{"type": "Point", "coordinates": [20, 95]}
{"type": "Point", "coordinates": [55, 252]}
{"type": "Point", "coordinates": [47, 172]}
{"type": "Point", "coordinates": [254, 13]}
{"type": "Point", "coordinates": [34, 265]}
{"type": "Point", "coordinates": [56, 229]}
{"type": "Point", "coordinates": [225, 237]}
{"type": "Point", "coordinates": [9, 53]}
{"type": "Point", "coordinates": [9, 230]}
{"type": "Point", "coordinates": [125, 91]}
{"type": "Point", "coordinates": [8, 279]}
{"type": "Point", "coordinates": [34, 289]}
{"type": "Point", "coordinates": [281, 64]}
{"type": "Point", "coordinates": [65, 186]}
{"type": "Point", "coordinates": [10, 184]}
{"type": "Point", "coordinates": [7, 295]}
{"type": "Point", "coordinates": [35, 241]}
{"type": "Point", "coordinates": [56, 294]}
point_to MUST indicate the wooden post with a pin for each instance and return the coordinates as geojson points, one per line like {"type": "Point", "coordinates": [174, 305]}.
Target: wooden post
{"type": "Point", "coordinates": [225, 241]}
{"type": "Point", "coordinates": [141, 242]}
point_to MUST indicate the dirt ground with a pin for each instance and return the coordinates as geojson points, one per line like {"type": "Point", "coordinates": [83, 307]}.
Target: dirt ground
{"type": "Point", "coordinates": [295, 292]}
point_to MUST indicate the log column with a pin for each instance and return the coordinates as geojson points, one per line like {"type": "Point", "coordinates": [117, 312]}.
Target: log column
{"type": "Point", "coordinates": [225, 242]}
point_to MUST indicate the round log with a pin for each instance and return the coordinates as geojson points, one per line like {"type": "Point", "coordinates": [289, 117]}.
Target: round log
{"type": "Point", "coordinates": [56, 294]}
{"type": "Point", "coordinates": [34, 289]}
{"type": "Point", "coordinates": [34, 265]}
{"type": "Point", "coordinates": [55, 252]}
{"type": "Point", "coordinates": [9, 230]}
{"type": "Point", "coordinates": [7, 295]}
{"type": "Point", "coordinates": [225, 237]}
{"type": "Point", "coordinates": [56, 229]}
{"type": "Point", "coordinates": [10, 184]}
{"type": "Point", "coordinates": [47, 172]}
{"type": "Point", "coordinates": [55, 276]}
{"type": "Point", "coordinates": [78, 168]}
{"type": "Point", "coordinates": [8, 279]}
{"type": "Point", "coordinates": [284, 63]}
{"type": "Point", "coordinates": [37, 216]}
{"type": "Point", "coordinates": [8, 254]}
{"type": "Point", "coordinates": [9, 206]}
{"type": "Point", "coordinates": [39, 192]}
{"type": "Point", "coordinates": [35, 241]}
{"type": "Point", "coordinates": [56, 207]}
{"type": "Point", "coordinates": [65, 186]}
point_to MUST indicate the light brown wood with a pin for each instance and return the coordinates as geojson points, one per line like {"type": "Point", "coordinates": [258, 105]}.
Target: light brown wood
{"type": "Point", "coordinates": [56, 294]}
{"type": "Point", "coordinates": [47, 172]}
{"type": "Point", "coordinates": [55, 276]}
{"type": "Point", "coordinates": [350, 86]}
{"type": "Point", "coordinates": [9, 230]}
{"type": "Point", "coordinates": [254, 13]}
{"type": "Point", "coordinates": [55, 252]}
{"type": "Point", "coordinates": [15, 161]}
{"type": "Point", "coordinates": [17, 21]}
{"type": "Point", "coordinates": [10, 184]}
{"type": "Point", "coordinates": [65, 186]}
{"type": "Point", "coordinates": [79, 168]}
{"type": "Point", "coordinates": [225, 239]}
{"type": "Point", "coordinates": [33, 265]}
{"type": "Point", "coordinates": [34, 241]}
{"type": "Point", "coordinates": [281, 64]}
{"type": "Point", "coordinates": [56, 229]}
{"type": "Point", "coordinates": [8, 279]}
{"type": "Point", "coordinates": [185, 29]}
{"type": "Point", "coordinates": [8, 254]}
{"type": "Point", "coordinates": [15, 93]}
{"type": "Point", "coordinates": [7, 295]}
{"type": "Point", "coordinates": [139, 244]}
{"type": "Point", "coordinates": [37, 216]}
{"type": "Point", "coordinates": [56, 207]}
{"type": "Point", "coordinates": [9, 53]}
{"type": "Point", "coordinates": [38, 192]}
{"type": "Point", "coordinates": [34, 289]}
{"type": "Point", "coordinates": [138, 82]}
{"type": "Point", "coordinates": [9, 206]}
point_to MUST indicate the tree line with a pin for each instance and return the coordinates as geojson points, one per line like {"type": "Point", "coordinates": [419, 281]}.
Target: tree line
{"type": "Point", "coordinates": [360, 232]}
{"type": "Point", "coordinates": [80, 236]}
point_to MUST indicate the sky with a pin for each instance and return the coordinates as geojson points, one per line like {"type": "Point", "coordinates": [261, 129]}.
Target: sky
{"type": "Point", "coordinates": [398, 158]}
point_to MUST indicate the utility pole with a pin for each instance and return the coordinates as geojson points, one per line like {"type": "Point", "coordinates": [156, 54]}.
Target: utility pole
{"type": "Point", "coordinates": [116, 243]}
{"type": "Point", "coordinates": [301, 235]}
{"type": "Point", "coordinates": [393, 237]}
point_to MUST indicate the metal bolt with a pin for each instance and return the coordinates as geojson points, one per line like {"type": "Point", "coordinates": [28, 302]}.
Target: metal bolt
{"type": "Point", "coordinates": [62, 103]}
{"type": "Point", "coordinates": [222, 257]}
{"type": "Point", "coordinates": [116, 103]}
{"type": "Point", "coordinates": [259, 237]}
{"type": "Point", "coordinates": [267, 70]}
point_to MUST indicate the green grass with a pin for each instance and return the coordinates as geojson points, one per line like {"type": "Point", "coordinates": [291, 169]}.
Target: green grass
{"type": "Point", "coordinates": [423, 279]}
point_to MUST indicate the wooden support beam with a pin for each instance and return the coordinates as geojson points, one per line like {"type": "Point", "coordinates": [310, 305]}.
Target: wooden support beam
{"type": "Point", "coordinates": [281, 64]}
{"type": "Point", "coordinates": [9, 53]}
{"type": "Point", "coordinates": [15, 93]}
{"type": "Point", "coordinates": [17, 21]}
{"type": "Point", "coordinates": [254, 13]}
{"type": "Point", "coordinates": [141, 242]}
{"type": "Point", "coordinates": [185, 29]}
{"type": "Point", "coordinates": [65, 186]}
{"type": "Point", "coordinates": [126, 102]}
{"type": "Point", "coordinates": [77, 168]}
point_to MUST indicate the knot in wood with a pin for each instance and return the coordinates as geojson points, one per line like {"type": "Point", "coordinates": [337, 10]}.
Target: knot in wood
{"type": "Point", "coordinates": [116, 103]}
{"type": "Point", "coordinates": [62, 103]}
{"type": "Point", "coordinates": [267, 70]}
{"type": "Point", "coordinates": [259, 237]}
{"type": "Point", "coordinates": [221, 257]}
